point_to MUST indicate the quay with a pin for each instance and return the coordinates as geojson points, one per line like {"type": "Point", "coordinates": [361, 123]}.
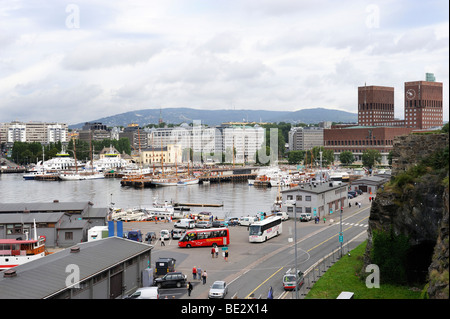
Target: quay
{"type": "Point", "coordinates": [12, 170]}
{"type": "Point", "coordinates": [145, 181]}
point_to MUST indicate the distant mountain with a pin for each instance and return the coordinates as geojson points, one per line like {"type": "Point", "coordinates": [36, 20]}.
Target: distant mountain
{"type": "Point", "coordinates": [216, 117]}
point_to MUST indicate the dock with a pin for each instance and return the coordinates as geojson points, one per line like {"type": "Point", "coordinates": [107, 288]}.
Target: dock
{"type": "Point", "coordinates": [140, 182]}
{"type": "Point", "coordinates": [197, 205]}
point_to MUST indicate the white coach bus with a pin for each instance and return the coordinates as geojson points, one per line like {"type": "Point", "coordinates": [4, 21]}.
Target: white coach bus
{"type": "Point", "coordinates": [265, 229]}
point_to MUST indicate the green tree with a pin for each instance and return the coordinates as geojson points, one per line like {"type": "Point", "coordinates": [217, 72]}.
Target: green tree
{"type": "Point", "coordinates": [346, 157]}
{"type": "Point", "coordinates": [370, 158]}
{"type": "Point", "coordinates": [296, 157]}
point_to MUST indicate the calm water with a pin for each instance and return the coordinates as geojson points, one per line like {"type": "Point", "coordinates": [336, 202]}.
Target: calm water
{"type": "Point", "coordinates": [238, 199]}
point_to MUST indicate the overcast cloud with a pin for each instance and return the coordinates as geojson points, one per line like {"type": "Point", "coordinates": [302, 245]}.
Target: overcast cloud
{"type": "Point", "coordinates": [76, 61]}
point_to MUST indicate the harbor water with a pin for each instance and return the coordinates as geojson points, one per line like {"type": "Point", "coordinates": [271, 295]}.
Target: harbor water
{"type": "Point", "coordinates": [238, 199]}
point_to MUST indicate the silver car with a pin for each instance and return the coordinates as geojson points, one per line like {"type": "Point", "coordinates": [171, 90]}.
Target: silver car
{"type": "Point", "coordinates": [203, 224]}
{"type": "Point", "coordinates": [218, 290]}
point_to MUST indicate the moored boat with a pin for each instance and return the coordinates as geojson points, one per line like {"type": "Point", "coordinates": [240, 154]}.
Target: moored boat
{"type": "Point", "coordinates": [15, 252]}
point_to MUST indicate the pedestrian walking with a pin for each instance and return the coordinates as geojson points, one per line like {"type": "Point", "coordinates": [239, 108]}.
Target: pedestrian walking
{"type": "Point", "coordinates": [189, 288]}
{"type": "Point", "coordinates": [324, 219]}
{"type": "Point", "coordinates": [216, 249]}
{"type": "Point", "coordinates": [204, 276]}
{"type": "Point", "coordinates": [162, 241]}
{"type": "Point", "coordinates": [359, 204]}
{"type": "Point", "coordinates": [213, 251]}
{"type": "Point", "coordinates": [226, 255]}
{"type": "Point", "coordinates": [194, 273]}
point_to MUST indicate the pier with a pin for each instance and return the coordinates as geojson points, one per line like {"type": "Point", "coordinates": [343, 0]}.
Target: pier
{"type": "Point", "coordinates": [139, 182]}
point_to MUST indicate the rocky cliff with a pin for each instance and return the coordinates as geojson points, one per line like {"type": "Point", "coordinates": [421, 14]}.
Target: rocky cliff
{"type": "Point", "coordinates": [415, 205]}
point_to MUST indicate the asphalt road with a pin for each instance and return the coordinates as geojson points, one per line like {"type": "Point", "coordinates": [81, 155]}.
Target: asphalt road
{"type": "Point", "coordinates": [253, 268]}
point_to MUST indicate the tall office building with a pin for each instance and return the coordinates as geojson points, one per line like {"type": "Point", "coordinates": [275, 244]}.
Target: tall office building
{"type": "Point", "coordinates": [423, 103]}
{"type": "Point", "coordinates": [375, 105]}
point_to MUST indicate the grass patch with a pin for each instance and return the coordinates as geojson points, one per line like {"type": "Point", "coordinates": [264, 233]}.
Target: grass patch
{"type": "Point", "coordinates": [344, 276]}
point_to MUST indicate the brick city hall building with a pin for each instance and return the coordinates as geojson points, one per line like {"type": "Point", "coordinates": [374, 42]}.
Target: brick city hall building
{"type": "Point", "coordinates": [377, 126]}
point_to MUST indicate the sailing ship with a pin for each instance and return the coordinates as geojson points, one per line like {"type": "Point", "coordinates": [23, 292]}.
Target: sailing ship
{"type": "Point", "coordinates": [15, 252]}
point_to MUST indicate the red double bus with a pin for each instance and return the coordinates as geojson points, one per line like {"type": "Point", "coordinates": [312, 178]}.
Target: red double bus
{"type": "Point", "coordinates": [205, 237]}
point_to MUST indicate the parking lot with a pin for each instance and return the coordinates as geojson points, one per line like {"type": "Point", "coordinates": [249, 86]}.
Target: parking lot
{"type": "Point", "coordinates": [241, 252]}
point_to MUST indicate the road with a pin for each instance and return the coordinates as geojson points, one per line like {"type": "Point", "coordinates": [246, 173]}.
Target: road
{"type": "Point", "coordinates": [253, 268]}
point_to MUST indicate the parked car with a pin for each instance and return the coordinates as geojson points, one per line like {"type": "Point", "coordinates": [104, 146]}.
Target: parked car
{"type": "Point", "coordinates": [164, 234]}
{"type": "Point", "coordinates": [145, 293]}
{"type": "Point", "coordinates": [219, 223]}
{"type": "Point", "coordinates": [203, 224]}
{"type": "Point", "coordinates": [247, 221]}
{"type": "Point", "coordinates": [177, 233]}
{"type": "Point", "coordinates": [359, 191]}
{"type": "Point", "coordinates": [353, 193]}
{"type": "Point", "coordinates": [171, 279]}
{"type": "Point", "coordinates": [290, 280]}
{"type": "Point", "coordinates": [185, 223]}
{"type": "Point", "coordinates": [305, 217]}
{"type": "Point", "coordinates": [218, 290]}
{"type": "Point", "coordinates": [232, 221]}
{"type": "Point", "coordinates": [135, 235]}
{"type": "Point", "coordinates": [284, 216]}
{"type": "Point", "coordinates": [350, 196]}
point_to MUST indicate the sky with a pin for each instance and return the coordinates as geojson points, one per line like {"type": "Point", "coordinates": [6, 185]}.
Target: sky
{"type": "Point", "coordinates": [77, 61]}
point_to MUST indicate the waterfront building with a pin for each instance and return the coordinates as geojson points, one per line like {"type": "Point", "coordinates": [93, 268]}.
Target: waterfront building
{"type": "Point", "coordinates": [170, 154]}
{"type": "Point", "coordinates": [111, 268]}
{"type": "Point", "coordinates": [62, 223]}
{"type": "Point", "coordinates": [317, 199]}
{"type": "Point", "coordinates": [377, 126]}
{"type": "Point", "coordinates": [30, 132]}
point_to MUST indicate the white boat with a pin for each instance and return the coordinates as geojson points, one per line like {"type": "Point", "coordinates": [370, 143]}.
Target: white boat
{"type": "Point", "coordinates": [266, 175]}
{"type": "Point", "coordinates": [165, 181]}
{"type": "Point", "coordinates": [80, 176]}
{"type": "Point", "coordinates": [188, 181]}
{"type": "Point", "coordinates": [131, 214]}
{"type": "Point", "coordinates": [110, 161]}
{"type": "Point", "coordinates": [61, 161]}
{"type": "Point", "coordinates": [15, 252]}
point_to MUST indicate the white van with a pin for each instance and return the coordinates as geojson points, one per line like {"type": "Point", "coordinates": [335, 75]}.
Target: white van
{"type": "Point", "coordinates": [284, 216]}
{"type": "Point", "coordinates": [247, 221]}
{"type": "Point", "coordinates": [185, 223]}
{"type": "Point", "coordinates": [164, 234]}
{"type": "Point", "coordinates": [145, 293]}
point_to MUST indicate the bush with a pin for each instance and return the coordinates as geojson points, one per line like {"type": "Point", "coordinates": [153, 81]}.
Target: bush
{"type": "Point", "coordinates": [389, 252]}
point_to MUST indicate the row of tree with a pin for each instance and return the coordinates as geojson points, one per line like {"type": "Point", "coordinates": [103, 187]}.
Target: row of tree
{"type": "Point", "coordinates": [312, 157]}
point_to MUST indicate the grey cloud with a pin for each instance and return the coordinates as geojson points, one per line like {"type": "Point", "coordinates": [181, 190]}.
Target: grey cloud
{"type": "Point", "coordinates": [103, 55]}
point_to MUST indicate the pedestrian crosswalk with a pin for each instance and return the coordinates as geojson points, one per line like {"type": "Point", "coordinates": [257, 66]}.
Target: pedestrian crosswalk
{"type": "Point", "coordinates": [353, 224]}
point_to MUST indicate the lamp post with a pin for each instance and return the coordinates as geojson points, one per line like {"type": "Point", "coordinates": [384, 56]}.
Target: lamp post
{"type": "Point", "coordinates": [295, 248]}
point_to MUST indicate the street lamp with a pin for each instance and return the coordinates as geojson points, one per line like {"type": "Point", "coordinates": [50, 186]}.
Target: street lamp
{"type": "Point", "coordinates": [295, 248]}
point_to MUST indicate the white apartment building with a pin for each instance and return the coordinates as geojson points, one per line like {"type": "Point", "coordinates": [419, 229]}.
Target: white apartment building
{"type": "Point", "coordinates": [246, 140]}
{"type": "Point", "coordinates": [39, 132]}
{"type": "Point", "coordinates": [205, 140]}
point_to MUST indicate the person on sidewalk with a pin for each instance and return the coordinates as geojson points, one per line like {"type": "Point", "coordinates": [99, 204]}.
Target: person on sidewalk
{"type": "Point", "coordinates": [213, 251]}
{"type": "Point", "coordinates": [194, 273]}
{"type": "Point", "coordinates": [189, 288]}
{"type": "Point", "coordinates": [204, 276]}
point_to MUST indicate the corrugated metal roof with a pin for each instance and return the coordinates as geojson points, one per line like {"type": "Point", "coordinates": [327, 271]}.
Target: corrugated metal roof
{"type": "Point", "coordinates": [42, 207]}
{"type": "Point", "coordinates": [28, 218]}
{"type": "Point", "coordinates": [46, 276]}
